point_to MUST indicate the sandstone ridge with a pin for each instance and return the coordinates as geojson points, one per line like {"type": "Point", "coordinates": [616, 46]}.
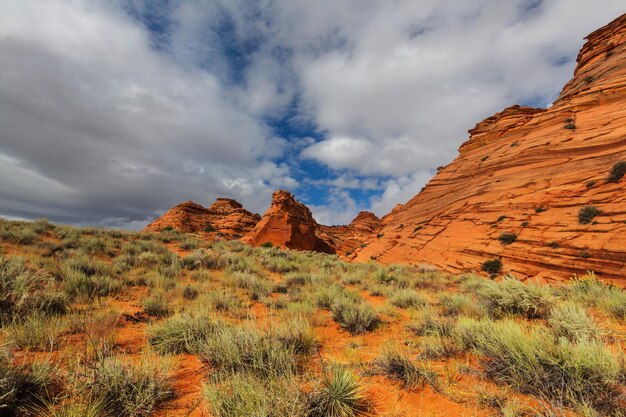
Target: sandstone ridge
{"type": "Point", "coordinates": [225, 218]}
{"type": "Point", "coordinates": [528, 172]}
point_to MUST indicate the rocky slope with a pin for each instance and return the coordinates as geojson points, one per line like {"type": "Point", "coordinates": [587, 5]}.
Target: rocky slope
{"type": "Point", "coordinates": [288, 224]}
{"type": "Point", "coordinates": [226, 218]}
{"type": "Point", "coordinates": [346, 239]}
{"type": "Point", "coordinates": [528, 172]}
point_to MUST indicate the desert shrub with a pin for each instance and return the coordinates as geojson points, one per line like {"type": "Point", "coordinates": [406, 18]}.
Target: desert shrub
{"type": "Point", "coordinates": [201, 275]}
{"type": "Point", "coordinates": [77, 284]}
{"type": "Point", "coordinates": [279, 264]}
{"type": "Point", "coordinates": [18, 232]}
{"type": "Point", "coordinates": [246, 350]}
{"type": "Point", "coordinates": [183, 332]}
{"type": "Point", "coordinates": [355, 317]}
{"type": "Point", "coordinates": [170, 268]}
{"type": "Point", "coordinates": [37, 332]}
{"type": "Point", "coordinates": [326, 296]}
{"type": "Point", "coordinates": [242, 264]}
{"type": "Point", "coordinates": [438, 347]}
{"type": "Point", "coordinates": [297, 279]}
{"type": "Point", "coordinates": [240, 395]}
{"type": "Point", "coordinates": [593, 292]}
{"type": "Point", "coordinates": [455, 304]}
{"type": "Point", "coordinates": [535, 362]}
{"type": "Point", "coordinates": [190, 293]}
{"type": "Point", "coordinates": [297, 335]}
{"type": "Point", "coordinates": [24, 290]}
{"type": "Point", "coordinates": [221, 300]}
{"type": "Point", "coordinates": [75, 408]}
{"type": "Point", "coordinates": [267, 245]}
{"type": "Point", "coordinates": [430, 324]}
{"type": "Point", "coordinates": [23, 385]}
{"type": "Point", "coordinates": [587, 214]}
{"type": "Point", "coordinates": [617, 171]}
{"type": "Point", "coordinates": [492, 266]}
{"type": "Point", "coordinates": [514, 297]}
{"type": "Point", "coordinates": [188, 243]}
{"type": "Point", "coordinates": [339, 394]}
{"type": "Point", "coordinates": [131, 389]}
{"type": "Point", "coordinates": [507, 238]}
{"type": "Point", "coordinates": [396, 364]}
{"type": "Point", "coordinates": [157, 305]}
{"type": "Point", "coordinates": [572, 322]}
{"type": "Point", "coordinates": [614, 304]}
{"type": "Point", "coordinates": [257, 286]}
{"type": "Point", "coordinates": [407, 299]}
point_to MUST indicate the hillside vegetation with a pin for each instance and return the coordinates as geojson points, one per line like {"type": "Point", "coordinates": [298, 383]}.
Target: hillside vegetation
{"type": "Point", "coordinates": [108, 323]}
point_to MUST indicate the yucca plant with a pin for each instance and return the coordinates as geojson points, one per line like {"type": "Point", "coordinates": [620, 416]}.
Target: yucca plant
{"type": "Point", "coordinates": [340, 394]}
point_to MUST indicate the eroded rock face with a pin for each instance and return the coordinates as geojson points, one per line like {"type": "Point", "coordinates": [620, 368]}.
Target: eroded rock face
{"type": "Point", "coordinates": [529, 171]}
{"type": "Point", "coordinates": [226, 218]}
{"type": "Point", "coordinates": [346, 239]}
{"type": "Point", "coordinates": [288, 224]}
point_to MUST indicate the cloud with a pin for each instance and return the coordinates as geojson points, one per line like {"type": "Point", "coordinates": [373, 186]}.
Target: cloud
{"type": "Point", "coordinates": [109, 127]}
{"type": "Point", "coordinates": [111, 112]}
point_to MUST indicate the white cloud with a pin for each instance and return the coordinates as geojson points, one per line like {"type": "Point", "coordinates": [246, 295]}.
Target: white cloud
{"type": "Point", "coordinates": [102, 121]}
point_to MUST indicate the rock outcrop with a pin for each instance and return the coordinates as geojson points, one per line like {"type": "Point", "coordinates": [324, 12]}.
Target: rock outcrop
{"type": "Point", "coordinates": [288, 224]}
{"type": "Point", "coordinates": [528, 172]}
{"type": "Point", "coordinates": [346, 239]}
{"type": "Point", "coordinates": [225, 218]}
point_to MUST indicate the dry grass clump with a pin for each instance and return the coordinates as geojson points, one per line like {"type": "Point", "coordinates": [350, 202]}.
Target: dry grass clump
{"type": "Point", "coordinates": [25, 290]}
{"type": "Point", "coordinates": [183, 332]}
{"type": "Point", "coordinates": [356, 317]}
{"type": "Point", "coordinates": [536, 362]}
{"type": "Point", "coordinates": [130, 389]}
{"type": "Point", "coordinates": [396, 363]}
{"type": "Point", "coordinates": [407, 298]}
{"type": "Point", "coordinates": [511, 296]}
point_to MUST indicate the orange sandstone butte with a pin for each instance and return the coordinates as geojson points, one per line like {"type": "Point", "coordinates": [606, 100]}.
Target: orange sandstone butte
{"type": "Point", "coordinates": [528, 172]}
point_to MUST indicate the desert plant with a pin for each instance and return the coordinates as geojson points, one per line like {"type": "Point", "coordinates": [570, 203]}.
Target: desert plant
{"type": "Point", "coordinates": [492, 266]}
{"type": "Point", "coordinates": [587, 214]}
{"type": "Point", "coordinates": [237, 395]}
{"type": "Point", "coordinates": [37, 332]}
{"type": "Point", "coordinates": [535, 362]}
{"type": "Point", "coordinates": [340, 394]}
{"type": "Point", "coordinates": [617, 172]}
{"type": "Point", "coordinates": [190, 293]}
{"type": "Point", "coordinates": [407, 299]}
{"type": "Point", "coordinates": [22, 384]}
{"type": "Point", "coordinates": [24, 290]}
{"type": "Point", "coordinates": [395, 363]}
{"type": "Point", "coordinates": [183, 332]}
{"type": "Point", "coordinates": [507, 238]}
{"type": "Point", "coordinates": [130, 389]}
{"type": "Point", "coordinates": [572, 322]}
{"type": "Point", "coordinates": [297, 335]}
{"type": "Point", "coordinates": [355, 317]}
{"type": "Point", "coordinates": [157, 305]}
{"type": "Point", "coordinates": [246, 350]}
{"type": "Point", "coordinates": [514, 297]}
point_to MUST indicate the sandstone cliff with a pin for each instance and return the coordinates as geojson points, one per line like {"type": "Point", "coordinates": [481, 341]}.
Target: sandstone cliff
{"type": "Point", "coordinates": [527, 172]}
{"type": "Point", "coordinates": [288, 224]}
{"type": "Point", "coordinates": [226, 218]}
{"type": "Point", "coordinates": [346, 239]}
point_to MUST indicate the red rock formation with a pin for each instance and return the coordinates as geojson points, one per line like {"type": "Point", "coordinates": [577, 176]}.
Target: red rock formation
{"type": "Point", "coordinates": [346, 239]}
{"type": "Point", "coordinates": [225, 218]}
{"type": "Point", "coordinates": [288, 224]}
{"type": "Point", "coordinates": [529, 171]}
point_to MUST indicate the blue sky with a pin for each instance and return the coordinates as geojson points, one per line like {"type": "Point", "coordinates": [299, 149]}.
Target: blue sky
{"type": "Point", "coordinates": [113, 111]}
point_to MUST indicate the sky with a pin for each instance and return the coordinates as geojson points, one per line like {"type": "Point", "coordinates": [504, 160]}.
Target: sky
{"type": "Point", "coordinates": [112, 111]}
